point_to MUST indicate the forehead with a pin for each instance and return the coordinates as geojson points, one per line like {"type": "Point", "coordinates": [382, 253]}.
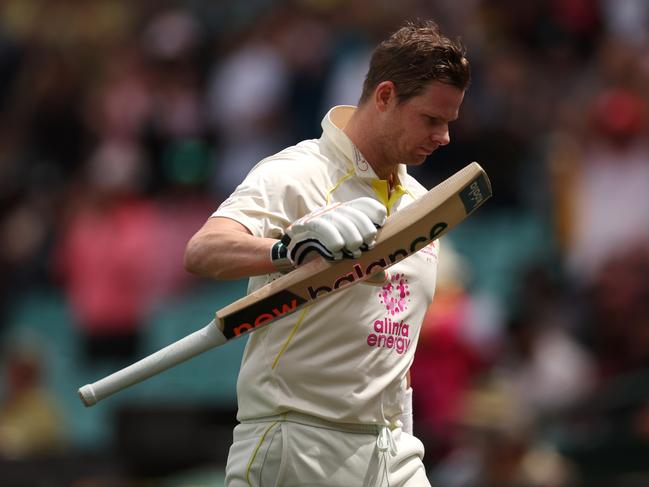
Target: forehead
{"type": "Point", "coordinates": [438, 99]}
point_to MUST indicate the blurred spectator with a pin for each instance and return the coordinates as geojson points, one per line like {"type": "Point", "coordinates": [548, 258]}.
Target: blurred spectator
{"type": "Point", "coordinates": [30, 422]}
{"type": "Point", "coordinates": [627, 19]}
{"type": "Point", "coordinates": [119, 104]}
{"type": "Point", "coordinates": [616, 315]}
{"type": "Point", "coordinates": [27, 224]}
{"type": "Point", "coordinates": [548, 369]}
{"type": "Point", "coordinates": [604, 188]}
{"type": "Point", "coordinates": [107, 254]}
{"type": "Point", "coordinates": [187, 166]}
{"type": "Point", "coordinates": [120, 251]}
{"type": "Point", "coordinates": [499, 446]}
{"type": "Point", "coordinates": [309, 64]}
{"type": "Point", "coordinates": [347, 73]}
{"type": "Point", "coordinates": [247, 93]}
{"type": "Point", "coordinates": [172, 46]}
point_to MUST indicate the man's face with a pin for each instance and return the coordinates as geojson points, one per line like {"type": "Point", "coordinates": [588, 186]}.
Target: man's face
{"type": "Point", "coordinates": [418, 126]}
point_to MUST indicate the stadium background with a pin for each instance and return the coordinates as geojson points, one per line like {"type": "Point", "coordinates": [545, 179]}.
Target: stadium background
{"type": "Point", "coordinates": [124, 124]}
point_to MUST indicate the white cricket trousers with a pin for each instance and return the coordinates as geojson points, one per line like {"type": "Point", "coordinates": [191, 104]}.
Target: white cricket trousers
{"type": "Point", "coordinates": [297, 450]}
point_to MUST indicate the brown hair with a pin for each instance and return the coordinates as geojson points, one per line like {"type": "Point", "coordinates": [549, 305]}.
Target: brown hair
{"type": "Point", "coordinates": [413, 56]}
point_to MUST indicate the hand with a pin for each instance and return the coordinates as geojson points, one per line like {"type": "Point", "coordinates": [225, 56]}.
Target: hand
{"type": "Point", "coordinates": [335, 232]}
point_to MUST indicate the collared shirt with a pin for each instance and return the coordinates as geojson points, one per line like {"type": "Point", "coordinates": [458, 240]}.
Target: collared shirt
{"type": "Point", "coordinates": [345, 357]}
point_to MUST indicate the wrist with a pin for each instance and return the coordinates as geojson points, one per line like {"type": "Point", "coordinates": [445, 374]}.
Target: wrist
{"type": "Point", "coordinates": [280, 258]}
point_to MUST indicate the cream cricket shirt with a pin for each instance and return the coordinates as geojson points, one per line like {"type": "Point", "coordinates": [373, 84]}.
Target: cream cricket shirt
{"type": "Point", "coordinates": [345, 357]}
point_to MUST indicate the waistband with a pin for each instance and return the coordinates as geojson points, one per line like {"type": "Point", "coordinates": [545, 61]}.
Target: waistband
{"type": "Point", "coordinates": [308, 420]}
{"type": "Point", "coordinates": [385, 444]}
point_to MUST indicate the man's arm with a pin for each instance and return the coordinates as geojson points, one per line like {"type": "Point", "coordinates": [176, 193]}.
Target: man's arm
{"type": "Point", "coordinates": [225, 249]}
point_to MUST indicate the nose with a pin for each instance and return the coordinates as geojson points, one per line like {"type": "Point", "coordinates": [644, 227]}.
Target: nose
{"type": "Point", "coordinates": [441, 136]}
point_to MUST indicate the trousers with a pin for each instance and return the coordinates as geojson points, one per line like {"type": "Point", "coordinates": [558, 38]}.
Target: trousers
{"type": "Point", "coordinates": [294, 449]}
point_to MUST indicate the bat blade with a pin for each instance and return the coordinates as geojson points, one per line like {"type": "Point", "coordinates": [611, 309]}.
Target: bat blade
{"type": "Point", "coordinates": [404, 233]}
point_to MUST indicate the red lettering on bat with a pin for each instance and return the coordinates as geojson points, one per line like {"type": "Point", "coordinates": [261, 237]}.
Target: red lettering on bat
{"type": "Point", "coordinates": [264, 318]}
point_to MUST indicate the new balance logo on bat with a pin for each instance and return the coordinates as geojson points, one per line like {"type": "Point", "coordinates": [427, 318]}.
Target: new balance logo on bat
{"type": "Point", "coordinates": [277, 312]}
{"type": "Point", "coordinates": [359, 272]}
{"type": "Point", "coordinates": [285, 301]}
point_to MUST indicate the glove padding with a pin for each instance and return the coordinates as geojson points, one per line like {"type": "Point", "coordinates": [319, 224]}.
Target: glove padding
{"type": "Point", "coordinates": [341, 230]}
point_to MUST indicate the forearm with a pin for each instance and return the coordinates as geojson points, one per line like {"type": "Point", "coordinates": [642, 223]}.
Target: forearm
{"type": "Point", "coordinates": [224, 249]}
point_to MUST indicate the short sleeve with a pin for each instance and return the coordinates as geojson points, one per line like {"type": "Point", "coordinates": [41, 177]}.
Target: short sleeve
{"type": "Point", "coordinates": [269, 199]}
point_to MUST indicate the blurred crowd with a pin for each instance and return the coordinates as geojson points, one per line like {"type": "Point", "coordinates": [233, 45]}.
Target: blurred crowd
{"type": "Point", "coordinates": [124, 124]}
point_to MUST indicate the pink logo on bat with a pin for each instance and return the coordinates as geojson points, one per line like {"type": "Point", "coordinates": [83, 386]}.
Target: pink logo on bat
{"type": "Point", "coordinates": [431, 249]}
{"type": "Point", "coordinates": [395, 294]}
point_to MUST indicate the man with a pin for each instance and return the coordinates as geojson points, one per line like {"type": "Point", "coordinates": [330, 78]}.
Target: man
{"type": "Point", "coordinates": [323, 393]}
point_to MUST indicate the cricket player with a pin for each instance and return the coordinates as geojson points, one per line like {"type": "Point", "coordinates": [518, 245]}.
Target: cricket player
{"type": "Point", "coordinates": [323, 393]}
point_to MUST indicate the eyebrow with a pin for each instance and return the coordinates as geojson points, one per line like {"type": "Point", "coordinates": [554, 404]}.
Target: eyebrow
{"type": "Point", "coordinates": [439, 117]}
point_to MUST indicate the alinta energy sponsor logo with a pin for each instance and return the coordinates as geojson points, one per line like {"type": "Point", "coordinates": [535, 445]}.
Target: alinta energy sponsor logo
{"type": "Point", "coordinates": [390, 332]}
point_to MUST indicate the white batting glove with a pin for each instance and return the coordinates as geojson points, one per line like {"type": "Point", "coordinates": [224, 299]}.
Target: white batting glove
{"type": "Point", "coordinates": [341, 230]}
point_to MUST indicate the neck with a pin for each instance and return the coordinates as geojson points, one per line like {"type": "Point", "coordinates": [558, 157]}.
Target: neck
{"type": "Point", "coordinates": [361, 130]}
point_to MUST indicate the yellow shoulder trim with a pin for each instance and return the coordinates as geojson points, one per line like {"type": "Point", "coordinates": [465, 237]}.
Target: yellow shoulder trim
{"type": "Point", "coordinates": [338, 183]}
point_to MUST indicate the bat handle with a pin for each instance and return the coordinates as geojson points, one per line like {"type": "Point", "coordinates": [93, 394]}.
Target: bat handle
{"type": "Point", "coordinates": [198, 342]}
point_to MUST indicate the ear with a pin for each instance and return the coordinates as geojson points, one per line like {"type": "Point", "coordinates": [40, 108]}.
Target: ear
{"type": "Point", "coordinates": [384, 94]}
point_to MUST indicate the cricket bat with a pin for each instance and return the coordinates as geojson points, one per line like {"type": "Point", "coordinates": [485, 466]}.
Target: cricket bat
{"type": "Point", "coordinates": [404, 233]}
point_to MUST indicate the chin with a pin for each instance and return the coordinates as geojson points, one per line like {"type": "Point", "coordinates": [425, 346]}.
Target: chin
{"type": "Point", "coordinates": [417, 160]}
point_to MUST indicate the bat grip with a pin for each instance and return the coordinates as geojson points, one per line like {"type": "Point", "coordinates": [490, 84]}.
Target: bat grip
{"type": "Point", "coordinates": [198, 342]}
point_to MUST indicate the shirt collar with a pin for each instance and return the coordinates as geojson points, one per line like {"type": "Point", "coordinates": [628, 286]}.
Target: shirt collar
{"type": "Point", "coordinates": [332, 133]}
